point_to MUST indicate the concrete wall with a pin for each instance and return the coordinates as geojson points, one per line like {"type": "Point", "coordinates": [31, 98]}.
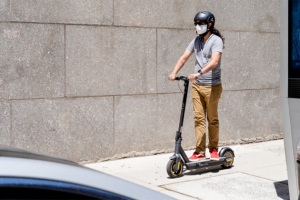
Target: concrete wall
{"type": "Point", "coordinates": [87, 79]}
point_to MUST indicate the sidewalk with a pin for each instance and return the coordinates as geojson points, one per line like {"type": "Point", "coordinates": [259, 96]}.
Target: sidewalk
{"type": "Point", "coordinates": [258, 172]}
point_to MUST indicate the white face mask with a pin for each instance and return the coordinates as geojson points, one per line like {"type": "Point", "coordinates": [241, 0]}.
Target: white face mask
{"type": "Point", "coordinates": [201, 29]}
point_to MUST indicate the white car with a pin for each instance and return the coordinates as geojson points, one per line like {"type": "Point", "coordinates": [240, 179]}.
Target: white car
{"type": "Point", "coordinates": [26, 175]}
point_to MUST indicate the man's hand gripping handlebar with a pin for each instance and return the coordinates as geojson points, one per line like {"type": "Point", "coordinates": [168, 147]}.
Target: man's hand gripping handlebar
{"type": "Point", "coordinates": [172, 77]}
{"type": "Point", "coordinates": [183, 78]}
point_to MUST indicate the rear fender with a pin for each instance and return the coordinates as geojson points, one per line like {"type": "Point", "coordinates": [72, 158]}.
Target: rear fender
{"type": "Point", "coordinates": [222, 151]}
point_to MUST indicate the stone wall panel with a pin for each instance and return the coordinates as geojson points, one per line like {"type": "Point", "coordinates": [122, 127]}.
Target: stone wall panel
{"type": "Point", "coordinates": [260, 56]}
{"type": "Point", "coordinates": [249, 114]}
{"type": "Point", "coordinates": [98, 12]}
{"type": "Point", "coordinates": [4, 10]}
{"type": "Point", "coordinates": [135, 122]}
{"type": "Point", "coordinates": [169, 110]}
{"type": "Point", "coordinates": [245, 15]}
{"type": "Point", "coordinates": [156, 13]}
{"type": "Point", "coordinates": [4, 123]}
{"type": "Point", "coordinates": [32, 61]}
{"type": "Point", "coordinates": [171, 44]}
{"type": "Point", "coordinates": [110, 61]}
{"type": "Point", "coordinates": [230, 61]}
{"type": "Point", "coordinates": [76, 129]}
{"type": "Point", "coordinates": [150, 122]}
{"type": "Point", "coordinates": [235, 15]}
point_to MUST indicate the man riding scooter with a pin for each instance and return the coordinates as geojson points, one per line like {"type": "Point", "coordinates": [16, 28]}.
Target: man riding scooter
{"type": "Point", "coordinates": [206, 82]}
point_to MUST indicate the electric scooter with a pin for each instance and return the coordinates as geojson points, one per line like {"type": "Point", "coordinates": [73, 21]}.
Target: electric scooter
{"type": "Point", "coordinates": [179, 159]}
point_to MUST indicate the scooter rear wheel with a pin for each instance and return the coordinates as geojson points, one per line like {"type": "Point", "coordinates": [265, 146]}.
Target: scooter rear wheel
{"type": "Point", "coordinates": [229, 159]}
{"type": "Point", "coordinates": [172, 169]}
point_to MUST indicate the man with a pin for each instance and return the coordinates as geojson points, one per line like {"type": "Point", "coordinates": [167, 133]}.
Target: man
{"type": "Point", "coordinates": [206, 86]}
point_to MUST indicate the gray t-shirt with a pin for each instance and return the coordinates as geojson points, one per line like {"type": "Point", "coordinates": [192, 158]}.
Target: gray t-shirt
{"type": "Point", "coordinates": [203, 51]}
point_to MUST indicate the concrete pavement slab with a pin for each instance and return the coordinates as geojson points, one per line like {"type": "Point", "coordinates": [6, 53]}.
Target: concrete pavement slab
{"type": "Point", "coordinates": [152, 170]}
{"type": "Point", "coordinates": [268, 172]}
{"type": "Point", "coordinates": [256, 163]}
{"type": "Point", "coordinates": [232, 186]}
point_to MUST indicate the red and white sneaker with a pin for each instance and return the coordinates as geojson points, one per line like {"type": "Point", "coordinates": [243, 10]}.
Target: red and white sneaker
{"type": "Point", "coordinates": [214, 154]}
{"type": "Point", "coordinates": [196, 156]}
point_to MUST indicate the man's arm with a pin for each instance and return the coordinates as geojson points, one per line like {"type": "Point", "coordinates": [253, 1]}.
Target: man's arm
{"type": "Point", "coordinates": [181, 61]}
{"type": "Point", "coordinates": [215, 58]}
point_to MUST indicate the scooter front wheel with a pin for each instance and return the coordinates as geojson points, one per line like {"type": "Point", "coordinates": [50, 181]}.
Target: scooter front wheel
{"type": "Point", "coordinates": [174, 170]}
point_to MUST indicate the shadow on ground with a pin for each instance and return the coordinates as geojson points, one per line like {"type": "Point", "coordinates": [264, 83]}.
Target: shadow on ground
{"type": "Point", "coordinates": [282, 189]}
{"type": "Point", "coordinates": [214, 169]}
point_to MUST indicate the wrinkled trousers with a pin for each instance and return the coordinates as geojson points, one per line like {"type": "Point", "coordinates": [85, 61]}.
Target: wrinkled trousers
{"type": "Point", "coordinates": [205, 103]}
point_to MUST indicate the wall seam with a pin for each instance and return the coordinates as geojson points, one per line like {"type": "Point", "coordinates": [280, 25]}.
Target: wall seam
{"type": "Point", "coordinates": [145, 27]}
{"type": "Point", "coordinates": [113, 125]}
{"type": "Point", "coordinates": [65, 57]}
{"type": "Point", "coordinates": [156, 48]}
{"type": "Point", "coordinates": [113, 22]}
{"type": "Point", "coordinates": [9, 10]}
{"type": "Point", "coordinates": [10, 128]}
{"type": "Point", "coordinates": [240, 47]}
{"type": "Point", "coordinates": [126, 95]}
{"type": "Point", "coordinates": [239, 73]}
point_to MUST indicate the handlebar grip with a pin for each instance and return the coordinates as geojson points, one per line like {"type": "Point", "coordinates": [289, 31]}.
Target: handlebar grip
{"type": "Point", "coordinates": [182, 78]}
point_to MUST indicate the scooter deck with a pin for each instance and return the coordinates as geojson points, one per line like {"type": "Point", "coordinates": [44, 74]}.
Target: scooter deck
{"type": "Point", "coordinates": [206, 162]}
{"type": "Point", "coordinates": [208, 159]}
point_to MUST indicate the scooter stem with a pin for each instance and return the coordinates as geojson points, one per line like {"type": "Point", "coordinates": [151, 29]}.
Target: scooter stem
{"type": "Point", "coordinates": [186, 87]}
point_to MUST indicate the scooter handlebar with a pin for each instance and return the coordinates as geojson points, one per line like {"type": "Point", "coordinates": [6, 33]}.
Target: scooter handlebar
{"type": "Point", "coordinates": [182, 78]}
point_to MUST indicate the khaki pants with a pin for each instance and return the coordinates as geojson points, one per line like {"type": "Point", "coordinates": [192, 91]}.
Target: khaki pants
{"type": "Point", "coordinates": [205, 101]}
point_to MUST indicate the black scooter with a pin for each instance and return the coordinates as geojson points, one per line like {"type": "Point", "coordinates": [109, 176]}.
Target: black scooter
{"type": "Point", "coordinates": [179, 159]}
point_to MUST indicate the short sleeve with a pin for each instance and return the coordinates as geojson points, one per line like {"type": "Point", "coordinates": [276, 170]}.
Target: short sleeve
{"type": "Point", "coordinates": [217, 45]}
{"type": "Point", "coordinates": [191, 45]}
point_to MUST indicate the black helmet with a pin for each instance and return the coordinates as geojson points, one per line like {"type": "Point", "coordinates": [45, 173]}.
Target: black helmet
{"type": "Point", "coordinates": [206, 16]}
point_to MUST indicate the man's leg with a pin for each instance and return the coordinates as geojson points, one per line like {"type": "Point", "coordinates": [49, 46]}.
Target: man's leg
{"type": "Point", "coordinates": [212, 116]}
{"type": "Point", "coordinates": [199, 116]}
